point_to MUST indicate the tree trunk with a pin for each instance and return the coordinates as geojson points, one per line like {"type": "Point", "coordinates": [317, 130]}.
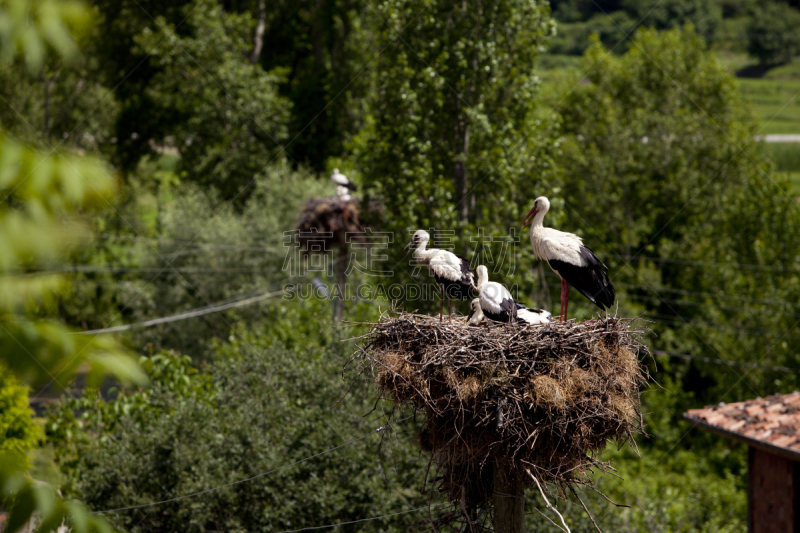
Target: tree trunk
{"type": "Point", "coordinates": [461, 145]}
{"type": "Point", "coordinates": [461, 176]}
{"type": "Point", "coordinates": [509, 500]}
{"type": "Point", "coordinates": [258, 36]}
{"type": "Point", "coordinates": [340, 266]}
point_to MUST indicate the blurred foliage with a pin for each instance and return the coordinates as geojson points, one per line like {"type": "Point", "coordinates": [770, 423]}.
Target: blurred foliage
{"type": "Point", "coordinates": [29, 29]}
{"type": "Point", "coordinates": [40, 194]}
{"type": "Point", "coordinates": [330, 47]}
{"type": "Point", "coordinates": [40, 191]}
{"type": "Point", "coordinates": [229, 122]}
{"type": "Point", "coordinates": [61, 106]}
{"type": "Point", "coordinates": [170, 246]}
{"type": "Point", "coordinates": [773, 36]}
{"type": "Point", "coordinates": [268, 407]}
{"type": "Point", "coordinates": [704, 15]}
{"type": "Point", "coordinates": [613, 29]}
{"type": "Point", "coordinates": [50, 510]}
{"type": "Point", "coordinates": [786, 156]}
{"type": "Point", "coordinates": [19, 433]}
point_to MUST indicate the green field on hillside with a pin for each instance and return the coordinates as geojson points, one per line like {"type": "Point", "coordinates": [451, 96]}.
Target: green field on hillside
{"type": "Point", "coordinates": [775, 96]}
{"type": "Point", "coordinates": [776, 102]}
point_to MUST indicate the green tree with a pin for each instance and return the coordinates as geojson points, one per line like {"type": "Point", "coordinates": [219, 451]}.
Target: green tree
{"type": "Point", "coordinates": [705, 16]}
{"type": "Point", "coordinates": [260, 408]}
{"type": "Point", "coordinates": [122, 66]}
{"type": "Point", "coordinates": [230, 120]}
{"type": "Point", "coordinates": [327, 48]}
{"type": "Point", "coordinates": [452, 140]}
{"type": "Point", "coordinates": [773, 35]}
{"type": "Point", "coordinates": [663, 172]}
{"type": "Point", "coordinates": [454, 96]}
{"type": "Point", "coordinates": [171, 246]}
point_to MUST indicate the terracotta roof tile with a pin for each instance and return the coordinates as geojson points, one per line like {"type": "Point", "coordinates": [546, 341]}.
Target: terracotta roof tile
{"type": "Point", "coordinates": [774, 420]}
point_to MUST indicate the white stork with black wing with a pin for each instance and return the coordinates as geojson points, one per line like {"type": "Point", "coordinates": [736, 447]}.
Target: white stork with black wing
{"type": "Point", "coordinates": [574, 263]}
{"type": "Point", "coordinates": [533, 317]}
{"type": "Point", "coordinates": [475, 315]}
{"type": "Point", "coordinates": [451, 271]}
{"type": "Point", "coordinates": [343, 185]}
{"type": "Point", "coordinates": [495, 300]}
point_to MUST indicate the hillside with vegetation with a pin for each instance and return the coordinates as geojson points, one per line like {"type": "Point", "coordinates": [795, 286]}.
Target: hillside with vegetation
{"type": "Point", "coordinates": [181, 357]}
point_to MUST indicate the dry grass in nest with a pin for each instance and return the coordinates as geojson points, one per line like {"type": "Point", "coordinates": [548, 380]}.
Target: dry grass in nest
{"type": "Point", "coordinates": [543, 399]}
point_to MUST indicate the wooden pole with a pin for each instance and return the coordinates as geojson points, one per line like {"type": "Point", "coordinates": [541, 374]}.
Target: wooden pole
{"type": "Point", "coordinates": [340, 266]}
{"type": "Point", "coordinates": [509, 500]}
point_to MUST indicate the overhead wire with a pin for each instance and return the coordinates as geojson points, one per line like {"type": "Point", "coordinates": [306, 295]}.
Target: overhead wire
{"type": "Point", "coordinates": [215, 308]}
{"type": "Point", "coordinates": [710, 263]}
{"type": "Point", "coordinates": [727, 362]}
{"type": "Point", "coordinates": [362, 519]}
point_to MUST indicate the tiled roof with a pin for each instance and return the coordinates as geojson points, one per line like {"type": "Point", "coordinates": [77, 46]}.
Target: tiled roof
{"type": "Point", "coordinates": [772, 422]}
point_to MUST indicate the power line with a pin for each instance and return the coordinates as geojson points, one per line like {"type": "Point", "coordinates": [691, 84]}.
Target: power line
{"type": "Point", "coordinates": [122, 270]}
{"type": "Point", "coordinates": [725, 361]}
{"type": "Point", "coordinates": [361, 520]}
{"type": "Point", "coordinates": [673, 321]}
{"type": "Point", "coordinates": [198, 244]}
{"type": "Point", "coordinates": [692, 293]}
{"type": "Point", "coordinates": [188, 314]}
{"type": "Point", "coordinates": [193, 494]}
{"type": "Point", "coordinates": [704, 294]}
{"type": "Point", "coordinates": [704, 263]}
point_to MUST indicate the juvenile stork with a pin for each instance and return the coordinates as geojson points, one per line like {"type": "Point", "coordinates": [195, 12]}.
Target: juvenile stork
{"type": "Point", "coordinates": [475, 315]}
{"type": "Point", "coordinates": [533, 317]}
{"type": "Point", "coordinates": [574, 263]}
{"type": "Point", "coordinates": [451, 271]}
{"type": "Point", "coordinates": [495, 300]}
{"type": "Point", "coordinates": [343, 185]}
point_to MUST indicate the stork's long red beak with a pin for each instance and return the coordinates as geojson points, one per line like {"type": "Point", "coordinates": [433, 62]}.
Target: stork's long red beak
{"type": "Point", "coordinates": [529, 218]}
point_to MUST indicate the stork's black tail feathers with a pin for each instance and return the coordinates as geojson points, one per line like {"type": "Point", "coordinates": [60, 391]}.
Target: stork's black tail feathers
{"type": "Point", "coordinates": [590, 280]}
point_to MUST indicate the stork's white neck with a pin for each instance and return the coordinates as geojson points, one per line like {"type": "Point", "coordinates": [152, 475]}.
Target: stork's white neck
{"type": "Point", "coordinates": [483, 276]}
{"type": "Point", "coordinates": [538, 218]}
{"type": "Point", "coordinates": [421, 254]}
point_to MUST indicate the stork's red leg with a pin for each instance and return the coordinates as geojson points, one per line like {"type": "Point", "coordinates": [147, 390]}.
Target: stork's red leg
{"type": "Point", "coordinates": [441, 302]}
{"type": "Point", "coordinates": [563, 295]}
{"type": "Point", "coordinates": [566, 300]}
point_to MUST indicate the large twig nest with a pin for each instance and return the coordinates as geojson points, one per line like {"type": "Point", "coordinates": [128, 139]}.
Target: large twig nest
{"type": "Point", "coordinates": [324, 223]}
{"type": "Point", "coordinates": [543, 399]}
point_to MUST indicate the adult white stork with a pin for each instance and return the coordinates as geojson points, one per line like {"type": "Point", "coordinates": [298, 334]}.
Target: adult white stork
{"type": "Point", "coordinates": [341, 180]}
{"type": "Point", "coordinates": [451, 271]}
{"type": "Point", "coordinates": [574, 263]}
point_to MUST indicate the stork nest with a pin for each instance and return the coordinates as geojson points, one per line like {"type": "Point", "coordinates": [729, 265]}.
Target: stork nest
{"type": "Point", "coordinates": [544, 400]}
{"type": "Point", "coordinates": [325, 222]}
